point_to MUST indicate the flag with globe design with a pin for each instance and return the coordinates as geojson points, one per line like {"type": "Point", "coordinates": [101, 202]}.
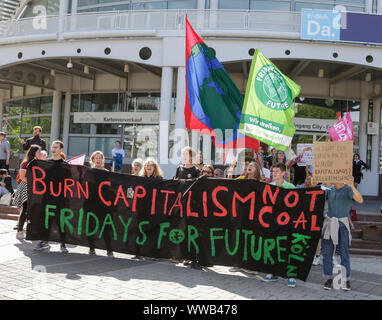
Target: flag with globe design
{"type": "Point", "coordinates": [268, 109]}
{"type": "Point", "coordinates": [213, 102]}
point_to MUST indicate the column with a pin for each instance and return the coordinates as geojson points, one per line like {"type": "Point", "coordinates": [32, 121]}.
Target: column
{"type": "Point", "coordinates": [363, 113]}
{"type": "Point", "coordinates": [379, 6]}
{"type": "Point", "coordinates": [201, 5]}
{"type": "Point", "coordinates": [65, 130]}
{"type": "Point", "coordinates": [165, 113]}
{"type": "Point", "coordinates": [207, 147]}
{"type": "Point", "coordinates": [214, 6]}
{"type": "Point", "coordinates": [56, 116]}
{"type": "Point", "coordinates": [1, 107]}
{"type": "Point", "coordinates": [369, 6]}
{"type": "Point", "coordinates": [375, 139]}
{"type": "Point", "coordinates": [180, 138]}
{"type": "Point", "coordinates": [73, 15]}
{"type": "Point", "coordinates": [63, 11]}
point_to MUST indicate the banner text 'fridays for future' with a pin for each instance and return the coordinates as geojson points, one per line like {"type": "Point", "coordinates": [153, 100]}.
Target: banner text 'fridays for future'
{"type": "Point", "coordinates": [227, 222]}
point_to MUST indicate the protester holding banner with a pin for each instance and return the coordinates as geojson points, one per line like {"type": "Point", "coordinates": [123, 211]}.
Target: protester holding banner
{"type": "Point", "coordinates": [187, 170]}
{"type": "Point", "coordinates": [21, 196]}
{"type": "Point", "coordinates": [358, 165]}
{"type": "Point", "coordinates": [208, 170]}
{"type": "Point", "coordinates": [56, 151]}
{"type": "Point", "coordinates": [136, 166]}
{"type": "Point", "coordinates": [43, 155]}
{"type": "Point", "coordinates": [218, 173]}
{"type": "Point", "coordinates": [151, 169]}
{"type": "Point", "coordinates": [229, 173]}
{"type": "Point", "coordinates": [278, 174]}
{"type": "Point", "coordinates": [252, 173]}
{"type": "Point", "coordinates": [245, 164]}
{"type": "Point", "coordinates": [199, 161]}
{"type": "Point", "coordinates": [97, 160]}
{"type": "Point", "coordinates": [336, 229]}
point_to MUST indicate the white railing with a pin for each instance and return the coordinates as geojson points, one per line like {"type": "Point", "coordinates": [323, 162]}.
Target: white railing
{"type": "Point", "coordinates": [154, 21]}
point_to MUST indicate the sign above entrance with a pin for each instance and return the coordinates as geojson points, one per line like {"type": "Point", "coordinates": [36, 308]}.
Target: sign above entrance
{"type": "Point", "coordinates": [117, 117]}
{"type": "Point", "coordinates": [340, 26]}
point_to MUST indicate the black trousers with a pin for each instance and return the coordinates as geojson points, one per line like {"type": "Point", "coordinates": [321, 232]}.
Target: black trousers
{"type": "Point", "coordinates": [23, 216]}
{"type": "Point", "coordinates": [3, 165]}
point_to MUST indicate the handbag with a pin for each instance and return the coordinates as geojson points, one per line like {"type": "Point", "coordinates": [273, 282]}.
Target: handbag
{"type": "Point", "coordinates": [6, 199]}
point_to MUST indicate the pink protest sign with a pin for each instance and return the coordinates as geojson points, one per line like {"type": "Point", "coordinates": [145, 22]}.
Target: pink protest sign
{"type": "Point", "coordinates": [78, 160]}
{"type": "Point", "coordinates": [342, 130]}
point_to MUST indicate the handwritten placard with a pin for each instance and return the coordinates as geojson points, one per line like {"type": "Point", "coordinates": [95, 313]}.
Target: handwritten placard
{"type": "Point", "coordinates": [333, 162]}
{"type": "Point", "coordinates": [307, 158]}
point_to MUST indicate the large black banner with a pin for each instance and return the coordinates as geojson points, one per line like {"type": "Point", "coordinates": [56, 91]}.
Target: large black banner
{"type": "Point", "coordinates": [226, 222]}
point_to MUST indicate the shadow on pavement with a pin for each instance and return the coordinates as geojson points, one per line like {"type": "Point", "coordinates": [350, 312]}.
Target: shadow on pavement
{"type": "Point", "coordinates": [75, 265]}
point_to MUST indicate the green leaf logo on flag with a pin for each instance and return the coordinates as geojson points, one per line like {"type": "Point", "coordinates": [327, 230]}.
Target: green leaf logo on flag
{"type": "Point", "coordinates": [268, 106]}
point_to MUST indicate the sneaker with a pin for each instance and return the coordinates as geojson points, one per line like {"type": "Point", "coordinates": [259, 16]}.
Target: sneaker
{"type": "Point", "coordinates": [187, 262]}
{"type": "Point", "coordinates": [42, 245]}
{"type": "Point", "coordinates": [63, 249]}
{"type": "Point", "coordinates": [234, 269]}
{"type": "Point", "coordinates": [347, 286]}
{"type": "Point", "coordinates": [110, 254]}
{"type": "Point", "coordinates": [291, 282]}
{"type": "Point", "coordinates": [20, 235]}
{"type": "Point", "coordinates": [328, 284]}
{"type": "Point", "coordinates": [316, 260]}
{"type": "Point", "coordinates": [92, 251]}
{"type": "Point", "coordinates": [270, 277]}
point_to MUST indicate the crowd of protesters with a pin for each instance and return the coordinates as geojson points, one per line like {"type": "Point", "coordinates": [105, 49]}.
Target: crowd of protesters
{"type": "Point", "coordinates": [270, 168]}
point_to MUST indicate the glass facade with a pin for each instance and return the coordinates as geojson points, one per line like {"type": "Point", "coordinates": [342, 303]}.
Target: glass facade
{"type": "Point", "coordinates": [23, 115]}
{"type": "Point", "coordinates": [380, 142]}
{"type": "Point", "coordinates": [100, 5]}
{"type": "Point", "coordinates": [291, 5]}
{"type": "Point", "coordinates": [139, 140]}
{"type": "Point", "coordinates": [84, 6]}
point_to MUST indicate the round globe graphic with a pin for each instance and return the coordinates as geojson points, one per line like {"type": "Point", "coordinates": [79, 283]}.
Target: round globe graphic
{"type": "Point", "coordinates": [274, 87]}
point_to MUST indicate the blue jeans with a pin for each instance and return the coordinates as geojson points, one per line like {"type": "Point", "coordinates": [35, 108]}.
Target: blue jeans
{"type": "Point", "coordinates": [328, 248]}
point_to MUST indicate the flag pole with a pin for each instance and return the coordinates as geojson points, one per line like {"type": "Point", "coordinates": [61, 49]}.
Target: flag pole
{"type": "Point", "coordinates": [12, 129]}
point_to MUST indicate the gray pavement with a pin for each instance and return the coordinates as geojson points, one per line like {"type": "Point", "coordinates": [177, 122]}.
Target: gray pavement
{"type": "Point", "coordinates": [25, 274]}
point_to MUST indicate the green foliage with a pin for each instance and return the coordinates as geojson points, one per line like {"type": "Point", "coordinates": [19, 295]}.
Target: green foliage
{"type": "Point", "coordinates": [314, 112]}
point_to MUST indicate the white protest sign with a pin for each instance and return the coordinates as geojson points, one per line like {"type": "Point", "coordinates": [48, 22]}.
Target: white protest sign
{"type": "Point", "coordinates": [307, 158]}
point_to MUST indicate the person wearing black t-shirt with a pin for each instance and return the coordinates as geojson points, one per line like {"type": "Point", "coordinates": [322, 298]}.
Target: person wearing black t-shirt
{"type": "Point", "coordinates": [36, 139]}
{"type": "Point", "coordinates": [188, 169]}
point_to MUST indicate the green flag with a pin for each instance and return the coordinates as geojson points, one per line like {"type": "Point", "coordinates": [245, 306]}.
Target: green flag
{"type": "Point", "coordinates": [268, 106]}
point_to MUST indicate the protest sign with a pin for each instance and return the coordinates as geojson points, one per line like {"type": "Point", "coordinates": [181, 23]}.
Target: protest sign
{"type": "Point", "coordinates": [307, 158]}
{"type": "Point", "coordinates": [333, 162]}
{"type": "Point", "coordinates": [241, 223]}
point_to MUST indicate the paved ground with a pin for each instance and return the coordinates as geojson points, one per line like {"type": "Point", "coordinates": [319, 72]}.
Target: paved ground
{"type": "Point", "coordinates": [25, 274]}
